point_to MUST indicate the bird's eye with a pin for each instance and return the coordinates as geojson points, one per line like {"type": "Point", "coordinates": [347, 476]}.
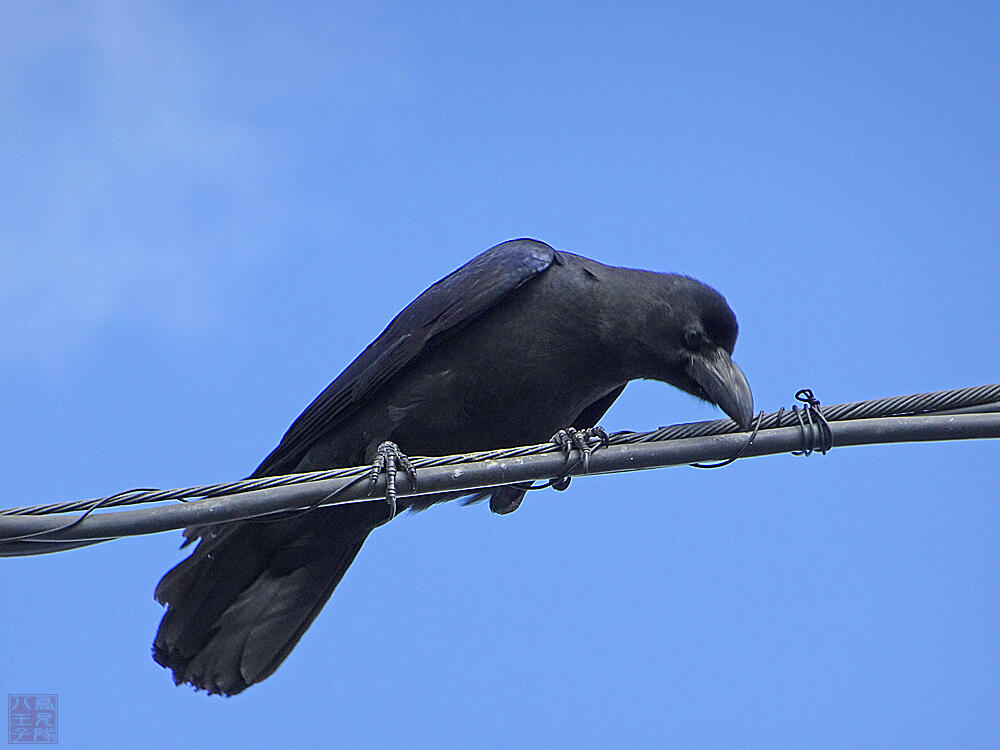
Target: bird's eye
{"type": "Point", "coordinates": [694, 338]}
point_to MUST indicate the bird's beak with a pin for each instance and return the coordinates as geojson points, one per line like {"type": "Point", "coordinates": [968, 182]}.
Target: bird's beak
{"type": "Point", "coordinates": [724, 384]}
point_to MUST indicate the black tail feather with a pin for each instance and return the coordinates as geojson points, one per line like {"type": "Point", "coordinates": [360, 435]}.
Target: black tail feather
{"type": "Point", "coordinates": [250, 589]}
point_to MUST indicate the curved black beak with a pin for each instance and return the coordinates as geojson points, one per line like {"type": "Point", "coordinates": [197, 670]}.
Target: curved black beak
{"type": "Point", "coordinates": [724, 384]}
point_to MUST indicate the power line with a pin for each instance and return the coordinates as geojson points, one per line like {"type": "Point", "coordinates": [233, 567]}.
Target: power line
{"type": "Point", "coordinates": [967, 413]}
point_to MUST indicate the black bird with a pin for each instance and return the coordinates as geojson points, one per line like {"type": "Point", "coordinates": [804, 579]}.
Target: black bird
{"type": "Point", "coordinates": [521, 341]}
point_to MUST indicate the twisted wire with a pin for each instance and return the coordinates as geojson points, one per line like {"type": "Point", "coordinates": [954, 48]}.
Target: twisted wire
{"type": "Point", "coordinates": [809, 419]}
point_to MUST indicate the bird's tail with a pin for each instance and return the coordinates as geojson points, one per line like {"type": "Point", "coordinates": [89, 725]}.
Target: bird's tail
{"type": "Point", "coordinates": [250, 589]}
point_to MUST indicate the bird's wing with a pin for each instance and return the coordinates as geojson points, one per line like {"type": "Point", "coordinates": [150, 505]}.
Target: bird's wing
{"type": "Point", "coordinates": [590, 416]}
{"type": "Point", "coordinates": [442, 309]}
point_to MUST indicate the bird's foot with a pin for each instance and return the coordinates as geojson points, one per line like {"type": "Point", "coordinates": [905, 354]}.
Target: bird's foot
{"type": "Point", "coordinates": [586, 441]}
{"type": "Point", "coordinates": [389, 458]}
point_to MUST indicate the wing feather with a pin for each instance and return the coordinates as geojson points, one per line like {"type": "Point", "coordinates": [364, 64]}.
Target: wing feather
{"type": "Point", "coordinates": [444, 308]}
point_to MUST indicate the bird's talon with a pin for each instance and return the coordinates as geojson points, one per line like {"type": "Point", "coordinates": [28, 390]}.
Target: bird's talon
{"type": "Point", "coordinates": [571, 438]}
{"type": "Point", "coordinates": [562, 441]}
{"type": "Point", "coordinates": [389, 458]}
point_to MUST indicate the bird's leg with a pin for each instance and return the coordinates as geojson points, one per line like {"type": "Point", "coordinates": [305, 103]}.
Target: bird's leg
{"type": "Point", "coordinates": [586, 441]}
{"type": "Point", "coordinates": [389, 458]}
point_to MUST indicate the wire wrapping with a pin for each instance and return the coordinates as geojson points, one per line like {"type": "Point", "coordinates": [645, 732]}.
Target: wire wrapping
{"type": "Point", "coordinates": [718, 439]}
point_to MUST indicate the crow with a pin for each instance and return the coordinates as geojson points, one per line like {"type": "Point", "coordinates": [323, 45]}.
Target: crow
{"type": "Point", "coordinates": [520, 342]}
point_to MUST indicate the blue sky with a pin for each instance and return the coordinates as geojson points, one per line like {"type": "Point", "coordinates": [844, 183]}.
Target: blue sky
{"type": "Point", "coordinates": [209, 211]}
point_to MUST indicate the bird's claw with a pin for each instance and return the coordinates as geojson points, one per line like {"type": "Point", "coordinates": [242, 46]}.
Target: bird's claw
{"type": "Point", "coordinates": [560, 484]}
{"type": "Point", "coordinates": [389, 458]}
{"type": "Point", "coordinates": [586, 441]}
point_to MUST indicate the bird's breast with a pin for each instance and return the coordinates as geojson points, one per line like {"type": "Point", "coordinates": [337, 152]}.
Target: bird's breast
{"type": "Point", "coordinates": [463, 408]}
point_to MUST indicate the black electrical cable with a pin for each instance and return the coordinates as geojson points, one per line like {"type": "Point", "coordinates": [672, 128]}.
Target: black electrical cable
{"type": "Point", "coordinates": [40, 529]}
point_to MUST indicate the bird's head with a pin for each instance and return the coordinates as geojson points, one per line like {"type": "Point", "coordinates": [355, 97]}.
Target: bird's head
{"type": "Point", "coordinates": [687, 340]}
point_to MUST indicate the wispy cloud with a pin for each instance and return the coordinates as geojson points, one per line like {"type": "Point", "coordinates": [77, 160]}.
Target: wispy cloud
{"type": "Point", "coordinates": [119, 163]}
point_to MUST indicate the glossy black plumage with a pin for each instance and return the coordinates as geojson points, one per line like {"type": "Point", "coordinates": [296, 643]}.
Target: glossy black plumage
{"type": "Point", "coordinates": [519, 342]}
